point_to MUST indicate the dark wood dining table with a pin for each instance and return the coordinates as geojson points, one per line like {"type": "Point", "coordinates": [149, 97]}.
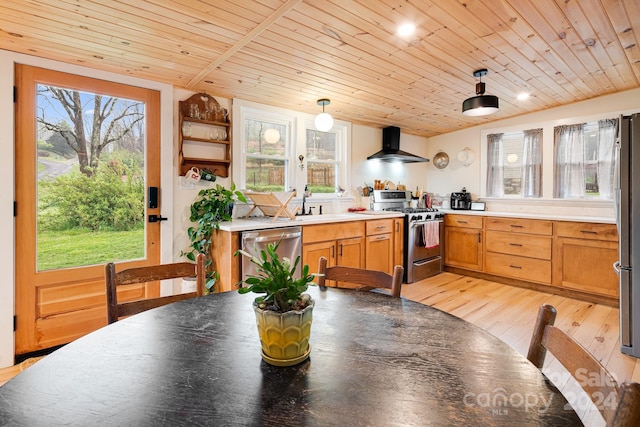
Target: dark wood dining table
{"type": "Point", "coordinates": [375, 361]}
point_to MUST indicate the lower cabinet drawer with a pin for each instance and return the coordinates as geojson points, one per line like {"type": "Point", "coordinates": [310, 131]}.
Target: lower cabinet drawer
{"type": "Point", "coordinates": [533, 270]}
{"type": "Point", "coordinates": [526, 245]}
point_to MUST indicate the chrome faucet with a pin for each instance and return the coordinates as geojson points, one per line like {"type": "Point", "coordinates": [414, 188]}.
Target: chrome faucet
{"type": "Point", "coordinates": [306, 194]}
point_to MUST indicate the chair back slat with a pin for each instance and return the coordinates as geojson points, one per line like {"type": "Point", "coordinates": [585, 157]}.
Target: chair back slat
{"type": "Point", "coordinates": [618, 405]}
{"type": "Point", "coordinates": [156, 272]}
{"type": "Point", "coordinates": [350, 277]}
{"type": "Point", "coordinates": [592, 376]}
{"type": "Point", "coordinates": [147, 274]}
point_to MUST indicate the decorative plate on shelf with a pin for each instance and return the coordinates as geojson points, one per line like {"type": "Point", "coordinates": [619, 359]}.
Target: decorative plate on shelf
{"type": "Point", "coordinates": [441, 160]}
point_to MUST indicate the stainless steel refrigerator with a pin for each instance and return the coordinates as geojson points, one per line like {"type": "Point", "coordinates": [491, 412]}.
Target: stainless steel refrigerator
{"type": "Point", "coordinates": [627, 204]}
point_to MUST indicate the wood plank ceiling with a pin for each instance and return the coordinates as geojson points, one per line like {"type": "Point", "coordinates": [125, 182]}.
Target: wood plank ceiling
{"type": "Point", "coordinates": [289, 53]}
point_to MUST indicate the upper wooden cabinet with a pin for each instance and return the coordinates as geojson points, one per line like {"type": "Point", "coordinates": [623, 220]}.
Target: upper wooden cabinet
{"type": "Point", "coordinates": [204, 135]}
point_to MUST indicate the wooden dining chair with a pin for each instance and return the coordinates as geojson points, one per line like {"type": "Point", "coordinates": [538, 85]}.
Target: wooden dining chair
{"type": "Point", "coordinates": [584, 368]}
{"type": "Point", "coordinates": [363, 279]}
{"type": "Point", "coordinates": [153, 273]}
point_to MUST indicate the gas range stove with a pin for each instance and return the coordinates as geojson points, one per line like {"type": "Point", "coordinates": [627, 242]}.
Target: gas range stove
{"type": "Point", "coordinates": [419, 214]}
{"type": "Point", "coordinates": [397, 201]}
{"type": "Point", "coordinates": [411, 210]}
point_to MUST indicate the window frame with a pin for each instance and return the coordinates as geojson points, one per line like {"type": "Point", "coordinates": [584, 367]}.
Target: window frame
{"type": "Point", "coordinates": [289, 123]}
{"type": "Point", "coordinates": [548, 162]}
{"type": "Point", "coordinates": [297, 123]}
{"type": "Point", "coordinates": [587, 127]}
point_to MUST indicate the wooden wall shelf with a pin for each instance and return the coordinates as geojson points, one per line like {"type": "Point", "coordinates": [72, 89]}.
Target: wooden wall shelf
{"type": "Point", "coordinates": [211, 128]}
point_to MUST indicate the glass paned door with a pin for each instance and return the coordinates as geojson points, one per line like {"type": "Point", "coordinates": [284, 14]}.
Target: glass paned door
{"type": "Point", "coordinates": [86, 150]}
{"type": "Point", "coordinates": [90, 178]}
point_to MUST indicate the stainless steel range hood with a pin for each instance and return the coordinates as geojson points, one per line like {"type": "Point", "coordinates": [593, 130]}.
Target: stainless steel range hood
{"type": "Point", "coordinates": [391, 151]}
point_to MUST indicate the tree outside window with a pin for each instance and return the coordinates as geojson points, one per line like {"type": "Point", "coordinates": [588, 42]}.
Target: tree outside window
{"type": "Point", "coordinates": [322, 161]}
{"type": "Point", "coordinates": [282, 151]}
{"type": "Point", "coordinates": [266, 156]}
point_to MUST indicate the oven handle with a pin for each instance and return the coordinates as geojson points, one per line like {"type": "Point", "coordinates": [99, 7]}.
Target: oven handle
{"type": "Point", "coordinates": [423, 262]}
{"type": "Point", "coordinates": [413, 224]}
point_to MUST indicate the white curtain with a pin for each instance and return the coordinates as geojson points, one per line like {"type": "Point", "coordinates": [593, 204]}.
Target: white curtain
{"type": "Point", "coordinates": [606, 146]}
{"type": "Point", "coordinates": [495, 166]}
{"type": "Point", "coordinates": [532, 163]}
{"type": "Point", "coordinates": [569, 161]}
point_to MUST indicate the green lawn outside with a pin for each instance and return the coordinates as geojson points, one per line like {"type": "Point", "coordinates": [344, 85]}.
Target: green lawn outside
{"type": "Point", "coordinates": [63, 249]}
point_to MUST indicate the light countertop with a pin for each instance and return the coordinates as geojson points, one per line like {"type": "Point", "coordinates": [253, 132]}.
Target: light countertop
{"type": "Point", "coordinates": [263, 223]}
{"type": "Point", "coordinates": [526, 215]}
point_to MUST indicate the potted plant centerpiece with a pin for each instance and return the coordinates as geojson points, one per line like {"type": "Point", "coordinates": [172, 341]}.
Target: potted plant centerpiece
{"type": "Point", "coordinates": [284, 312]}
{"type": "Point", "coordinates": [213, 206]}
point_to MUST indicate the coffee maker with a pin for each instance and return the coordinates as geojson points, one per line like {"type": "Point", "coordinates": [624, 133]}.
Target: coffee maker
{"type": "Point", "coordinates": [461, 200]}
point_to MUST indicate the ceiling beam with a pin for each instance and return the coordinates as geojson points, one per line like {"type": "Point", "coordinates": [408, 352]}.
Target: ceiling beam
{"type": "Point", "coordinates": [277, 14]}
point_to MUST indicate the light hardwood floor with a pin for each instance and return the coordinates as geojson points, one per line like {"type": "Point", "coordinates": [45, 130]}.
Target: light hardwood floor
{"type": "Point", "coordinates": [510, 313]}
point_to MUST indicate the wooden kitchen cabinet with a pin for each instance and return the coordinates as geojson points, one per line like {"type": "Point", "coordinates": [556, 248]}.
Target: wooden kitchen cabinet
{"type": "Point", "coordinates": [463, 241]}
{"type": "Point", "coordinates": [583, 257]}
{"type": "Point", "coordinates": [380, 245]}
{"type": "Point", "coordinates": [398, 242]}
{"type": "Point", "coordinates": [225, 263]}
{"type": "Point", "coordinates": [341, 244]}
{"type": "Point", "coordinates": [519, 248]}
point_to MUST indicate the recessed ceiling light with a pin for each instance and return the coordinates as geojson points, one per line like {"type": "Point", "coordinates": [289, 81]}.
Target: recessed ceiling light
{"type": "Point", "coordinates": [406, 30]}
{"type": "Point", "coordinates": [523, 96]}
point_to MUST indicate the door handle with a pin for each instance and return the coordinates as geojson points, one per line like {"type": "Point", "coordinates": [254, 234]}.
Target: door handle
{"type": "Point", "coordinates": [616, 267]}
{"type": "Point", "coordinates": [157, 218]}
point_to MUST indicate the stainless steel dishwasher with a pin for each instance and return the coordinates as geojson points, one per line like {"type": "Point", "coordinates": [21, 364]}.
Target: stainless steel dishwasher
{"type": "Point", "coordinates": [254, 241]}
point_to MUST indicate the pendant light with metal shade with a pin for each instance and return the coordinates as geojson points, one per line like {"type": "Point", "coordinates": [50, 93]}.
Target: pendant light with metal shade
{"type": "Point", "coordinates": [324, 121]}
{"type": "Point", "coordinates": [480, 105]}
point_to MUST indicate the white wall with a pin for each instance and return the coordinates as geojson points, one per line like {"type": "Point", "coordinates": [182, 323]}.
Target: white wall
{"type": "Point", "coordinates": [184, 195]}
{"type": "Point", "coordinates": [366, 141]}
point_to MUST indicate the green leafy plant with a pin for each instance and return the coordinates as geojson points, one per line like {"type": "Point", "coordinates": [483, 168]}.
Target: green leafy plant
{"type": "Point", "coordinates": [212, 207]}
{"type": "Point", "coordinates": [275, 278]}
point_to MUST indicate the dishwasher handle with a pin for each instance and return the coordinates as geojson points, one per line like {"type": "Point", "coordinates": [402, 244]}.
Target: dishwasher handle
{"type": "Point", "coordinates": [275, 238]}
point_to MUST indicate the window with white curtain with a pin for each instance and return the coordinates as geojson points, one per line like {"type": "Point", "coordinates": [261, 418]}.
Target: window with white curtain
{"type": "Point", "coordinates": [583, 154]}
{"type": "Point", "coordinates": [514, 164]}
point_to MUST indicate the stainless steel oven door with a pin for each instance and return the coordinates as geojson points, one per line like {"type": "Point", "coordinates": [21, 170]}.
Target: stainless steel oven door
{"type": "Point", "coordinates": [420, 261]}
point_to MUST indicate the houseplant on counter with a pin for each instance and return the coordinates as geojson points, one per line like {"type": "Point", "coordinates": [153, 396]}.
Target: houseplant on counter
{"type": "Point", "coordinates": [213, 206]}
{"type": "Point", "coordinates": [284, 313]}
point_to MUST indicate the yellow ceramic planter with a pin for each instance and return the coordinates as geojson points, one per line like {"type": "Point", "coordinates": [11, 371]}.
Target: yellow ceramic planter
{"type": "Point", "coordinates": [285, 336]}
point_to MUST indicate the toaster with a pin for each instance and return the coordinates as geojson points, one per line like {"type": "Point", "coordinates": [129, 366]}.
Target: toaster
{"type": "Point", "coordinates": [461, 200]}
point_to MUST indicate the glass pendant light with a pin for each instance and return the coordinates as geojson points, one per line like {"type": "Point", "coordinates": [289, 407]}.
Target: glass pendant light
{"type": "Point", "coordinates": [324, 121]}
